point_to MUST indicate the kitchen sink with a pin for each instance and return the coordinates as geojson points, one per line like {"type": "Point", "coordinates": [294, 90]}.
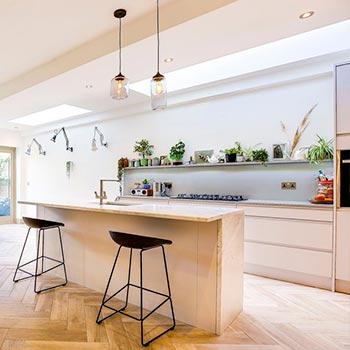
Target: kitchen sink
{"type": "Point", "coordinates": [121, 204]}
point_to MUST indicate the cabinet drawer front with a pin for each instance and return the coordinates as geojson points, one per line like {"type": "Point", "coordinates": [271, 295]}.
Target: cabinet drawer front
{"type": "Point", "coordinates": [289, 213]}
{"type": "Point", "coordinates": [291, 259]}
{"type": "Point", "coordinates": [303, 234]}
{"type": "Point", "coordinates": [343, 244]}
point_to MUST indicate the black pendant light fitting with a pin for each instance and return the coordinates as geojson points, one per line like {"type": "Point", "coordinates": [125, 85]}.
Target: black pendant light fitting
{"type": "Point", "coordinates": [120, 84]}
{"type": "Point", "coordinates": [158, 82]}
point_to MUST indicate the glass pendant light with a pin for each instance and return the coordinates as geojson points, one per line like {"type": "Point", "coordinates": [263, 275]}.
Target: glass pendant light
{"type": "Point", "coordinates": [120, 84]}
{"type": "Point", "coordinates": [158, 82]}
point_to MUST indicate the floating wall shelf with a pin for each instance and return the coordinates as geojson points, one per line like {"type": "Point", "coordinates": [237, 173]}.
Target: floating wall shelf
{"type": "Point", "coordinates": [208, 165]}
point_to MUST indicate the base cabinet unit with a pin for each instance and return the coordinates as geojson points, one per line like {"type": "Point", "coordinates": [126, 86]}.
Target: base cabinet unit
{"type": "Point", "coordinates": [290, 244]}
{"type": "Point", "coordinates": [342, 282]}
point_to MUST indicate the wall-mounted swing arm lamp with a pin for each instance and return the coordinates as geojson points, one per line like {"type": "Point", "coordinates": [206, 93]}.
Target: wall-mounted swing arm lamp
{"type": "Point", "coordinates": [53, 139]}
{"type": "Point", "coordinates": [29, 148]}
{"type": "Point", "coordinates": [102, 139]}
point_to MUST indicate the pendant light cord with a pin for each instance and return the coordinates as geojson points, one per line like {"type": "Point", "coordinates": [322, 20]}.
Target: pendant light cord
{"type": "Point", "coordinates": [158, 36]}
{"type": "Point", "coordinates": [120, 45]}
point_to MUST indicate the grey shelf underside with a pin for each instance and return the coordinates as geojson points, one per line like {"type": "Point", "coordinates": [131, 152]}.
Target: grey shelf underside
{"type": "Point", "coordinates": [208, 165]}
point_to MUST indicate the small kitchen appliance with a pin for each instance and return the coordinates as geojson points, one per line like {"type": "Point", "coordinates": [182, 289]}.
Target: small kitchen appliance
{"type": "Point", "coordinates": [141, 192]}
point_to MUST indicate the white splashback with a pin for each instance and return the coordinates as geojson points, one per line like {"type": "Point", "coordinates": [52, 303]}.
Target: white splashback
{"type": "Point", "coordinates": [251, 181]}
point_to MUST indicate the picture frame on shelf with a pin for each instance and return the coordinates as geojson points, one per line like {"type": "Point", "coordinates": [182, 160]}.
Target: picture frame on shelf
{"type": "Point", "coordinates": [201, 157]}
{"type": "Point", "coordinates": [279, 151]}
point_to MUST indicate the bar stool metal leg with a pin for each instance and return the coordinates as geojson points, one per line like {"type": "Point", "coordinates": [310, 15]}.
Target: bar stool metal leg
{"type": "Point", "coordinates": [104, 300]}
{"type": "Point", "coordinates": [63, 261]}
{"type": "Point", "coordinates": [19, 262]}
{"type": "Point", "coordinates": [142, 318]}
{"type": "Point", "coordinates": [41, 237]}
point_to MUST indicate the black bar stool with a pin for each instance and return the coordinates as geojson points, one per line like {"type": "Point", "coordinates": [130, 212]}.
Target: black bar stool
{"type": "Point", "coordinates": [141, 243]}
{"type": "Point", "coordinates": [41, 225]}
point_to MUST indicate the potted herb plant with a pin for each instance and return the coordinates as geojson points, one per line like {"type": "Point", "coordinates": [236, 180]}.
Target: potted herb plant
{"type": "Point", "coordinates": [177, 152]}
{"type": "Point", "coordinates": [260, 155]}
{"type": "Point", "coordinates": [240, 155]}
{"type": "Point", "coordinates": [146, 184]}
{"type": "Point", "coordinates": [231, 155]}
{"type": "Point", "coordinates": [323, 149]}
{"type": "Point", "coordinates": [144, 149]}
{"type": "Point", "coordinates": [248, 152]}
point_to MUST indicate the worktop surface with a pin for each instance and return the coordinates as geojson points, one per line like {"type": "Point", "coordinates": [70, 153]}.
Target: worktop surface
{"type": "Point", "coordinates": [254, 202]}
{"type": "Point", "coordinates": [172, 211]}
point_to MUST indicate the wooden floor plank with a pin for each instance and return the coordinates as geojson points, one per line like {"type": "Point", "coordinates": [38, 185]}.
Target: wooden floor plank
{"type": "Point", "coordinates": [276, 316]}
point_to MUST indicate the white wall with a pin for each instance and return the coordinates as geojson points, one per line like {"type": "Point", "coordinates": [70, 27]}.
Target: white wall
{"type": "Point", "coordinates": [251, 117]}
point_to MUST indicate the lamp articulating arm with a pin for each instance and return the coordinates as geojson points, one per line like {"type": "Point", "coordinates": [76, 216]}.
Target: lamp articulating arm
{"type": "Point", "coordinates": [29, 148]}
{"type": "Point", "coordinates": [102, 138]}
{"type": "Point", "coordinates": [68, 148]}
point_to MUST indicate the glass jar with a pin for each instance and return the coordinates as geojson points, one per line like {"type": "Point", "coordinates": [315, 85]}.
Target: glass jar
{"type": "Point", "coordinates": [325, 188]}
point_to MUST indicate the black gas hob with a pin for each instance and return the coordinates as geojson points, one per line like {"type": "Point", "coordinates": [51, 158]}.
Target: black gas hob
{"type": "Point", "coordinates": [211, 197]}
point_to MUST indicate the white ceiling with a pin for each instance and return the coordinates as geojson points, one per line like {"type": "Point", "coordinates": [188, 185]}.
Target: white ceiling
{"type": "Point", "coordinates": [33, 32]}
{"type": "Point", "coordinates": [238, 26]}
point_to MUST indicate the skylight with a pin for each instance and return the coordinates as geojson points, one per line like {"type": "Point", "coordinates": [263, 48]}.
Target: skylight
{"type": "Point", "coordinates": [322, 41]}
{"type": "Point", "coordinates": [50, 115]}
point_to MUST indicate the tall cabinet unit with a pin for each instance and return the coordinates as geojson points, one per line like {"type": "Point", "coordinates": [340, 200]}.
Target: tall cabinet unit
{"type": "Point", "coordinates": [342, 210]}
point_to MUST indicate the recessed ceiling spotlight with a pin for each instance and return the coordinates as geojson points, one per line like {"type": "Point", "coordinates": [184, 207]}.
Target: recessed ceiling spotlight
{"type": "Point", "coordinates": [89, 86]}
{"type": "Point", "coordinates": [307, 14]}
{"type": "Point", "coordinates": [168, 60]}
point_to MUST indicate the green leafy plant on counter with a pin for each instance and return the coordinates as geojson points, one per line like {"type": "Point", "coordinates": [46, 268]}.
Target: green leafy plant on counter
{"type": "Point", "coordinates": [323, 149]}
{"type": "Point", "coordinates": [260, 155]}
{"type": "Point", "coordinates": [144, 149]}
{"type": "Point", "coordinates": [177, 152]}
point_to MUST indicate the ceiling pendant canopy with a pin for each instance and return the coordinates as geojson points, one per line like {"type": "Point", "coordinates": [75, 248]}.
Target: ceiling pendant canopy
{"type": "Point", "coordinates": [120, 84]}
{"type": "Point", "coordinates": [158, 82]}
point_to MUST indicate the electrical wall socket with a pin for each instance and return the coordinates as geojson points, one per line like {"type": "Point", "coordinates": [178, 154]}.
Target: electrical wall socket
{"type": "Point", "coordinates": [288, 185]}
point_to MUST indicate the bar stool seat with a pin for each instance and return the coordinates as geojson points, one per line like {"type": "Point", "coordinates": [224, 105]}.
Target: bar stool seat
{"type": "Point", "coordinates": [42, 226]}
{"type": "Point", "coordinates": [141, 243]}
{"type": "Point", "coordinates": [137, 242]}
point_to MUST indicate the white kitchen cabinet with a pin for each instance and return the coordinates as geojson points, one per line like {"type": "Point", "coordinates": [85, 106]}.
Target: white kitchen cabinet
{"type": "Point", "coordinates": [342, 76]}
{"type": "Point", "coordinates": [343, 251]}
{"type": "Point", "coordinates": [289, 243]}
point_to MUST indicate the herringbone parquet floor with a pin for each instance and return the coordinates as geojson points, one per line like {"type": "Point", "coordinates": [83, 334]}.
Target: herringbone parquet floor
{"type": "Point", "coordinates": [276, 316]}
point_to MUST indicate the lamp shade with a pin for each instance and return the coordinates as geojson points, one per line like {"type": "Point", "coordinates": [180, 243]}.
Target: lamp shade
{"type": "Point", "coordinates": [119, 87]}
{"type": "Point", "coordinates": [158, 92]}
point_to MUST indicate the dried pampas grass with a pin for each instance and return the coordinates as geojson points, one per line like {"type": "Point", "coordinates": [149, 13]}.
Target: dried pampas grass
{"type": "Point", "coordinates": [293, 143]}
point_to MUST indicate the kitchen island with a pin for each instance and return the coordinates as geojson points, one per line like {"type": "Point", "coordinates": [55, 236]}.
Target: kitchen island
{"type": "Point", "coordinates": [205, 260]}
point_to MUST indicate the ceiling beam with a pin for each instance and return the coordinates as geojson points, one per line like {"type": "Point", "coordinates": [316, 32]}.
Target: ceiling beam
{"type": "Point", "coordinates": [172, 14]}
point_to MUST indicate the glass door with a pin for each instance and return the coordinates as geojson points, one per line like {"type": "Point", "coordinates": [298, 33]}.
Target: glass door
{"type": "Point", "coordinates": [7, 185]}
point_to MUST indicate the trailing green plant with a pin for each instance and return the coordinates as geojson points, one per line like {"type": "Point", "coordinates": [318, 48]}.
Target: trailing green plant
{"type": "Point", "coordinates": [177, 151]}
{"type": "Point", "coordinates": [321, 150]}
{"type": "Point", "coordinates": [122, 163]}
{"type": "Point", "coordinates": [143, 148]}
{"type": "Point", "coordinates": [260, 155]}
